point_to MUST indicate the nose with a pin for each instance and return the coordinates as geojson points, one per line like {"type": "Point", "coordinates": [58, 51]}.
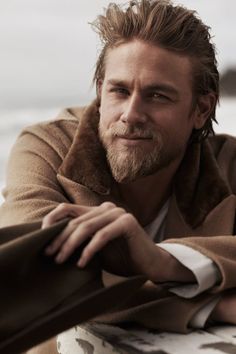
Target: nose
{"type": "Point", "coordinates": [133, 110]}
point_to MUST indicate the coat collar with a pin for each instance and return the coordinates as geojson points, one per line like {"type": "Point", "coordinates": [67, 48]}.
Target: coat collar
{"type": "Point", "coordinates": [85, 162]}
{"type": "Point", "coordinates": [212, 225]}
{"type": "Point", "coordinates": [198, 186]}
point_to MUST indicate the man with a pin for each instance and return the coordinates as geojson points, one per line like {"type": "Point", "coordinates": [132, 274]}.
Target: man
{"type": "Point", "coordinates": [141, 164]}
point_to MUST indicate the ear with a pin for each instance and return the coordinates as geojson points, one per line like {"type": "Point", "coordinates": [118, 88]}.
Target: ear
{"type": "Point", "coordinates": [204, 107]}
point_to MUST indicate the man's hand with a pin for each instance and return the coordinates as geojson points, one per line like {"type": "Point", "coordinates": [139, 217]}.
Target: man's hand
{"type": "Point", "coordinates": [101, 225]}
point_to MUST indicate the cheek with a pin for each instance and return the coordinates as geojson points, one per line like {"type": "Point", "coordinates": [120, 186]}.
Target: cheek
{"type": "Point", "coordinates": [108, 115]}
{"type": "Point", "coordinates": [104, 122]}
{"type": "Point", "coordinates": [104, 115]}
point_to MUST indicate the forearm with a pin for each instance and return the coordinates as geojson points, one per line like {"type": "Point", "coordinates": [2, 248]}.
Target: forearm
{"type": "Point", "coordinates": [221, 251]}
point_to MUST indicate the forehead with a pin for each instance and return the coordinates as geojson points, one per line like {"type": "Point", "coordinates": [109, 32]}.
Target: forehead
{"type": "Point", "coordinates": [144, 62]}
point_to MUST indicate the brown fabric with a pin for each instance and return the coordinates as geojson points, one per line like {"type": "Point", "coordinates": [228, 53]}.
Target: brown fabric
{"type": "Point", "coordinates": [63, 161]}
{"type": "Point", "coordinates": [154, 307]}
{"type": "Point", "coordinates": [158, 310]}
{"type": "Point", "coordinates": [39, 298]}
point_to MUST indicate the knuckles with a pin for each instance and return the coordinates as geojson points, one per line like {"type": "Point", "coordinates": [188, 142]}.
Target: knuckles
{"type": "Point", "coordinates": [128, 218]}
{"type": "Point", "coordinates": [108, 205]}
{"type": "Point", "coordinates": [84, 227]}
{"type": "Point", "coordinates": [63, 206]}
{"type": "Point", "coordinates": [105, 205]}
{"type": "Point", "coordinates": [120, 211]}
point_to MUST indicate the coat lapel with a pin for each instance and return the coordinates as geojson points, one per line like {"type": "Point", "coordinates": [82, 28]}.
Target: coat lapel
{"type": "Point", "coordinates": [199, 184]}
{"type": "Point", "coordinates": [201, 195]}
{"type": "Point", "coordinates": [202, 202]}
{"type": "Point", "coordinates": [219, 221]}
{"type": "Point", "coordinates": [84, 173]}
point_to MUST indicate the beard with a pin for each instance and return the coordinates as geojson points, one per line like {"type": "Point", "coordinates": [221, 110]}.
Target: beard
{"type": "Point", "coordinates": [129, 163]}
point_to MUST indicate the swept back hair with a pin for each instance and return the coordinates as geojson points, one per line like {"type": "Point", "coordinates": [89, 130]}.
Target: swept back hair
{"type": "Point", "coordinates": [172, 27]}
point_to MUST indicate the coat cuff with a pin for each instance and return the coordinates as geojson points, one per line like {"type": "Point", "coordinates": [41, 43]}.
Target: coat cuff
{"type": "Point", "coordinates": [204, 269]}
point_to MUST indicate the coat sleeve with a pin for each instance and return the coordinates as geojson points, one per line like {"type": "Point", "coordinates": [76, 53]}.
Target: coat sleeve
{"type": "Point", "coordinates": [221, 250]}
{"type": "Point", "coordinates": [32, 189]}
{"type": "Point", "coordinates": [154, 307]}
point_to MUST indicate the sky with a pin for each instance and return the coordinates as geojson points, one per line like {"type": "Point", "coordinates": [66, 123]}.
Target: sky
{"type": "Point", "coordinates": [48, 49]}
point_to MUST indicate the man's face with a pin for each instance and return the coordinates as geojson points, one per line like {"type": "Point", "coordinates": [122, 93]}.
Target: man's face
{"type": "Point", "coordinates": [146, 113]}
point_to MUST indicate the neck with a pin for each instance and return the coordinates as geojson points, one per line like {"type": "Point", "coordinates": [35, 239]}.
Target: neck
{"type": "Point", "coordinates": [145, 196]}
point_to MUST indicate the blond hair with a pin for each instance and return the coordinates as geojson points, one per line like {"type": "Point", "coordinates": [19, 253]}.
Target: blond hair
{"type": "Point", "coordinates": [172, 27]}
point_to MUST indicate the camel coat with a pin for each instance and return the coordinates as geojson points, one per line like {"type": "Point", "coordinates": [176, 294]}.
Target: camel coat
{"type": "Point", "coordinates": [63, 161]}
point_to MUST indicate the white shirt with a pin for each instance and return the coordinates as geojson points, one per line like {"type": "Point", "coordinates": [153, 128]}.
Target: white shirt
{"type": "Point", "coordinates": [204, 269]}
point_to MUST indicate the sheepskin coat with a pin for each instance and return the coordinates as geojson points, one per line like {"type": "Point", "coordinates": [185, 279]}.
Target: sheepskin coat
{"type": "Point", "coordinates": [63, 161]}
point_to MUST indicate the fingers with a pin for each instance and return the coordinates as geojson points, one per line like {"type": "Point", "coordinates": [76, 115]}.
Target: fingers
{"type": "Point", "coordinates": [61, 211]}
{"type": "Point", "coordinates": [73, 224]}
{"type": "Point", "coordinates": [94, 211]}
{"type": "Point", "coordinates": [101, 238]}
{"type": "Point", "coordinates": [59, 240]}
{"type": "Point", "coordinates": [88, 229]}
{"type": "Point", "coordinates": [97, 226]}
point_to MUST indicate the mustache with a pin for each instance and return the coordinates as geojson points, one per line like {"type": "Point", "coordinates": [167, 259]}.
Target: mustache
{"type": "Point", "coordinates": [132, 131]}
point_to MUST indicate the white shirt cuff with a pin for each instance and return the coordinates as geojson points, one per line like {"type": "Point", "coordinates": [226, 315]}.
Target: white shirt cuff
{"type": "Point", "coordinates": [204, 269]}
{"type": "Point", "coordinates": [200, 318]}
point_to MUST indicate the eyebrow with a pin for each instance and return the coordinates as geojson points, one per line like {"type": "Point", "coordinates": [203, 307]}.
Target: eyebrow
{"type": "Point", "coordinates": [152, 87]}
